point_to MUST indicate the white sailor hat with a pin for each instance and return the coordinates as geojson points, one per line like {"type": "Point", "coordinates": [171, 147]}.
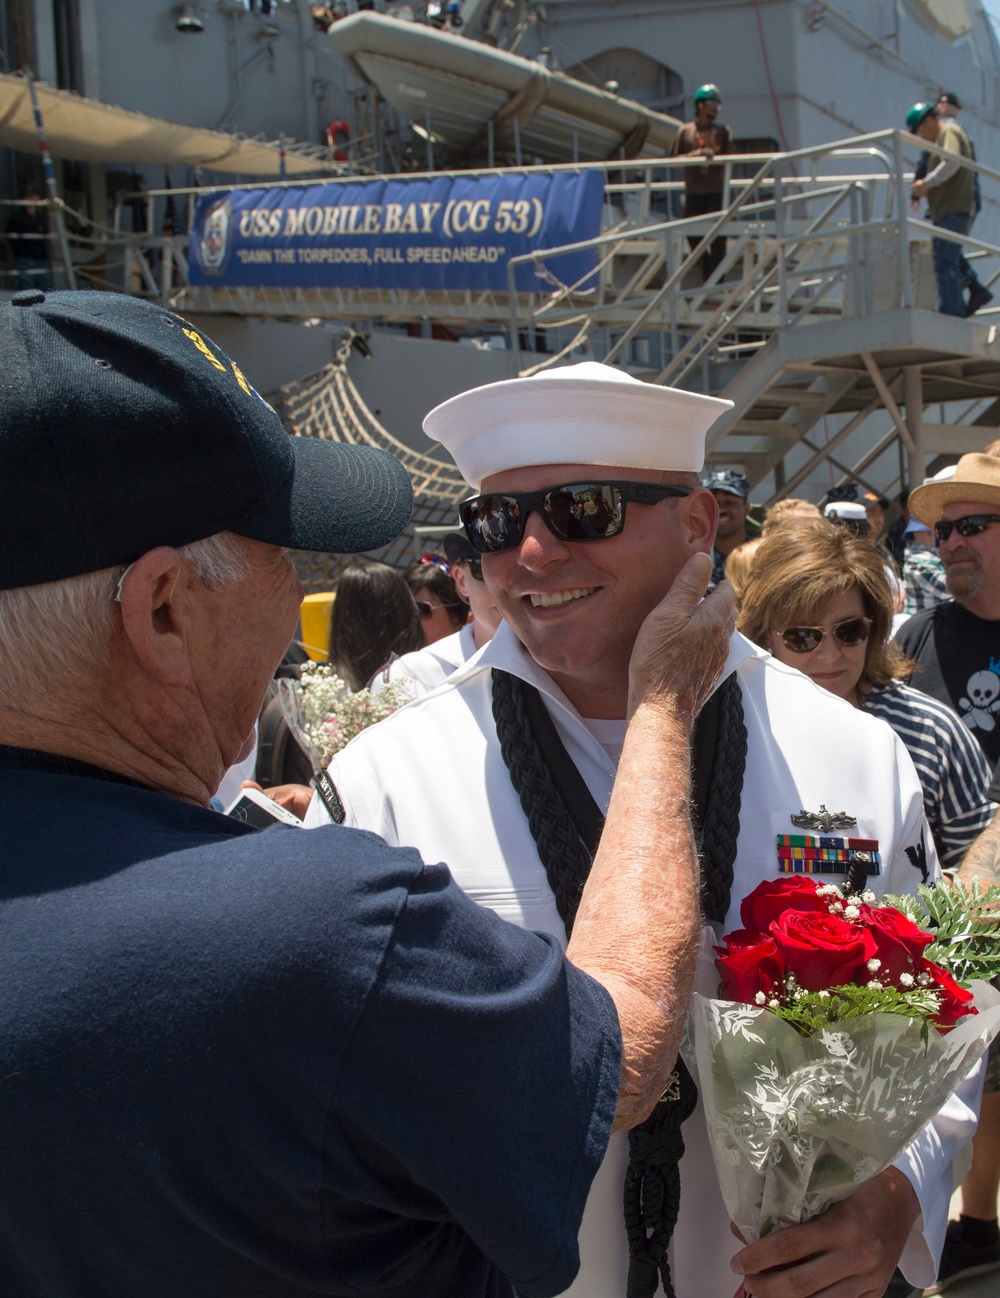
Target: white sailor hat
{"type": "Point", "coordinates": [576, 414]}
{"type": "Point", "coordinates": [851, 510]}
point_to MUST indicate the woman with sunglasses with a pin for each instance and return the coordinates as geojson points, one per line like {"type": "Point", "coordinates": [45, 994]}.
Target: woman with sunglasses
{"type": "Point", "coordinates": [818, 599]}
{"type": "Point", "coordinates": [442, 610]}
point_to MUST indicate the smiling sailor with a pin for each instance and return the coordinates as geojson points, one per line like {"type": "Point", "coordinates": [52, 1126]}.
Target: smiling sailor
{"type": "Point", "coordinates": [587, 504]}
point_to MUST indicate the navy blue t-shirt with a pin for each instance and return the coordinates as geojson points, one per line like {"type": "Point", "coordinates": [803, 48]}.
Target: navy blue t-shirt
{"type": "Point", "coordinates": [278, 1063]}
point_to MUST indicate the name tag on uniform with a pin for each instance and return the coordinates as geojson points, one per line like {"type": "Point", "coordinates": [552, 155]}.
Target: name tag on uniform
{"type": "Point", "coordinates": [819, 854]}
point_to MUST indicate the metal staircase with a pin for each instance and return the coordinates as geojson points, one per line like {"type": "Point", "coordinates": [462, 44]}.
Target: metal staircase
{"type": "Point", "coordinates": [822, 311]}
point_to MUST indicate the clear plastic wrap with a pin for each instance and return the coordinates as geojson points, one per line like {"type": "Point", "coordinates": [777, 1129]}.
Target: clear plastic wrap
{"type": "Point", "coordinates": [798, 1122]}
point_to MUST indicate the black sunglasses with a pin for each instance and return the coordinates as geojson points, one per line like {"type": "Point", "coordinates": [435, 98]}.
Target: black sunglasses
{"type": "Point", "coordinates": [578, 511]}
{"type": "Point", "coordinates": [804, 639]}
{"type": "Point", "coordinates": [971, 525]}
{"type": "Point", "coordinates": [475, 566]}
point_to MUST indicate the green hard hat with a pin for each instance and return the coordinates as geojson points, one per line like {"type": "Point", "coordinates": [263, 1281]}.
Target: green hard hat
{"type": "Point", "coordinates": [707, 92]}
{"type": "Point", "coordinates": [917, 114]}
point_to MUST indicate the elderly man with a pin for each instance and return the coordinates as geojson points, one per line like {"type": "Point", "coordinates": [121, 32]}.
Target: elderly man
{"type": "Point", "coordinates": [587, 505]}
{"type": "Point", "coordinates": [275, 1064]}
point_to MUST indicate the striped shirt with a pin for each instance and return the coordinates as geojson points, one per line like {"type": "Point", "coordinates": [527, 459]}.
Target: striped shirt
{"type": "Point", "coordinates": [953, 770]}
{"type": "Point", "coordinates": [923, 580]}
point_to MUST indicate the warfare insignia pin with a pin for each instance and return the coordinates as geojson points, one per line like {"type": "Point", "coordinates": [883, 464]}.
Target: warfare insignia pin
{"type": "Point", "coordinates": [823, 820]}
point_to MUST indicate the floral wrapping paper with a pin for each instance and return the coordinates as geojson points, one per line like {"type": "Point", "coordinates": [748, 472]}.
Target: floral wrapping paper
{"type": "Point", "coordinates": [798, 1122]}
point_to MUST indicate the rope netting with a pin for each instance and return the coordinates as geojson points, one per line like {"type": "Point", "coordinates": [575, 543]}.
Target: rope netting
{"type": "Point", "coordinates": [328, 405]}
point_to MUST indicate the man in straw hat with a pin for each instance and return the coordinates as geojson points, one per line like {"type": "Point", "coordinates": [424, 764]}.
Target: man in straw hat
{"type": "Point", "coordinates": [587, 504]}
{"type": "Point", "coordinates": [275, 1064]}
{"type": "Point", "coordinates": [957, 644]}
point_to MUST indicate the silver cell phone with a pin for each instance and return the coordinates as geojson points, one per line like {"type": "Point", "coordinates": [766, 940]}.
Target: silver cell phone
{"type": "Point", "coordinates": [257, 809]}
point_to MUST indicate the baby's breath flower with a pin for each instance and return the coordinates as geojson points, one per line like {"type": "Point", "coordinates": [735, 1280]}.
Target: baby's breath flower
{"type": "Point", "coordinates": [873, 985]}
{"type": "Point", "coordinates": [332, 715]}
{"type": "Point", "coordinates": [907, 979]}
{"type": "Point", "coordinates": [760, 998]}
{"type": "Point", "coordinates": [773, 1003]}
{"type": "Point", "coordinates": [852, 912]}
{"type": "Point", "coordinates": [874, 964]}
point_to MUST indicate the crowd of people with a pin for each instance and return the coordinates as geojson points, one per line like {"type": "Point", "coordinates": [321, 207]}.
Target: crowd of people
{"type": "Point", "coordinates": [431, 1048]}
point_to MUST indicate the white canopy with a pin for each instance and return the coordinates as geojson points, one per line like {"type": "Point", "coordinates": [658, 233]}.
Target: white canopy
{"type": "Point", "coordinates": [89, 131]}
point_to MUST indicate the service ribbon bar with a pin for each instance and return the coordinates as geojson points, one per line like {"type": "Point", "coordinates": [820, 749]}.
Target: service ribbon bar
{"type": "Point", "coordinates": [820, 854]}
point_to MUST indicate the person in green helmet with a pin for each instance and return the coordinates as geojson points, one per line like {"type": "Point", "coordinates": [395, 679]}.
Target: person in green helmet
{"type": "Point", "coordinates": [704, 137]}
{"type": "Point", "coordinates": [950, 192]}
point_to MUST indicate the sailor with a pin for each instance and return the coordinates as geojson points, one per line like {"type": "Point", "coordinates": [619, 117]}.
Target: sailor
{"type": "Point", "coordinates": [587, 504]}
{"type": "Point", "coordinates": [850, 514]}
{"type": "Point", "coordinates": [731, 491]}
{"type": "Point", "coordinates": [425, 669]}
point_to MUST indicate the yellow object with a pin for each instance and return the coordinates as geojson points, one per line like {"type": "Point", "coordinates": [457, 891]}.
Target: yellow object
{"type": "Point", "coordinates": [316, 624]}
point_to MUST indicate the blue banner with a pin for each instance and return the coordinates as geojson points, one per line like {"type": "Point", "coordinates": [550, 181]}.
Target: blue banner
{"type": "Point", "coordinates": [439, 232]}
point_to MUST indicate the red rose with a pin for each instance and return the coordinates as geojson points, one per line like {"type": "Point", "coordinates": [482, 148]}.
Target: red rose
{"type": "Point", "coordinates": [899, 944]}
{"type": "Point", "coordinates": [956, 1001]}
{"type": "Point", "coordinates": [821, 950]}
{"type": "Point", "coordinates": [749, 963]}
{"type": "Point", "coordinates": [773, 897]}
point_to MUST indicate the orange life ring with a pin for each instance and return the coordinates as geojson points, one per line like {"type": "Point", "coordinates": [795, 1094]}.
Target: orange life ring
{"type": "Point", "coordinates": [338, 132]}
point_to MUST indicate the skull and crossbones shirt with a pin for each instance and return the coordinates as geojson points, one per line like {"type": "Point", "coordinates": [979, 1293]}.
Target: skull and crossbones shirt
{"type": "Point", "coordinates": [959, 657]}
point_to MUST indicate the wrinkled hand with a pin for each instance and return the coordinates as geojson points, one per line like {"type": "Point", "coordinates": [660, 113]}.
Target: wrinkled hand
{"type": "Point", "coordinates": [850, 1251]}
{"type": "Point", "coordinates": [681, 647]}
{"type": "Point", "coordinates": [293, 797]}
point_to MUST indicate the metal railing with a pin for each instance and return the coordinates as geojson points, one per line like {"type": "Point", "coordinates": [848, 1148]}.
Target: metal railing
{"type": "Point", "coordinates": [814, 232]}
{"type": "Point", "coordinates": [806, 239]}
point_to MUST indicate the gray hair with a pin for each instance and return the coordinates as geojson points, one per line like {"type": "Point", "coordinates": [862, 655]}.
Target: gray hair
{"type": "Point", "coordinates": [51, 632]}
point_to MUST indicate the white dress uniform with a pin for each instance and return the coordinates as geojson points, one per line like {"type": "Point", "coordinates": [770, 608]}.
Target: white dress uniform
{"type": "Point", "coordinates": [425, 669]}
{"type": "Point", "coordinates": [432, 777]}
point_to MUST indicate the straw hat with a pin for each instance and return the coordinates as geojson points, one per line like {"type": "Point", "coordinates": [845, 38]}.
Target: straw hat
{"type": "Point", "coordinates": [977, 478]}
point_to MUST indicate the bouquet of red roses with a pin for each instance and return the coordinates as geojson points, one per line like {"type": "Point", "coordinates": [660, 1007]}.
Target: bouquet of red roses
{"type": "Point", "coordinates": [843, 1026]}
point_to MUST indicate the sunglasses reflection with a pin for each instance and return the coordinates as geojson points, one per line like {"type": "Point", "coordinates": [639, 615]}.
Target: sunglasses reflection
{"type": "Point", "coordinates": [970, 525]}
{"type": "Point", "coordinates": [850, 633]}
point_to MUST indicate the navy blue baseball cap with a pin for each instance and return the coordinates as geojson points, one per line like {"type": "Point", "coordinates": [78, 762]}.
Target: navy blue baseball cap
{"type": "Point", "coordinates": [122, 427]}
{"type": "Point", "coordinates": [728, 480]}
